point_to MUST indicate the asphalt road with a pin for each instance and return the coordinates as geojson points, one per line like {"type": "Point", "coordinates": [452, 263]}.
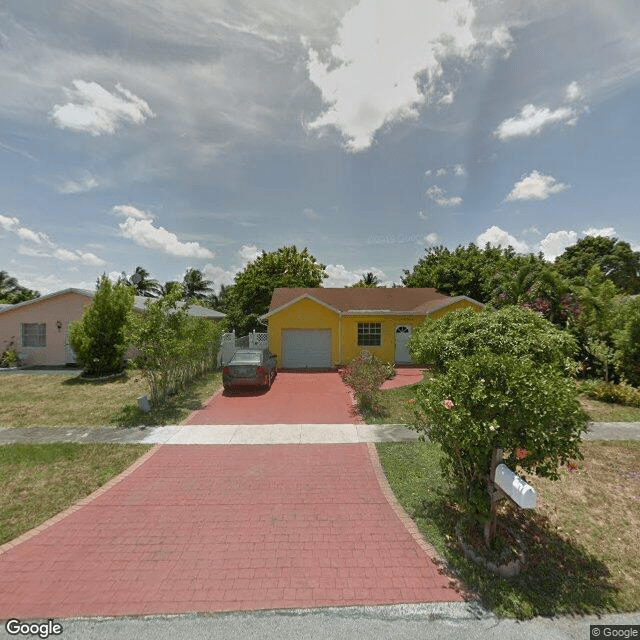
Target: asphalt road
{"type": "Point", "coordinates": [398, 622]}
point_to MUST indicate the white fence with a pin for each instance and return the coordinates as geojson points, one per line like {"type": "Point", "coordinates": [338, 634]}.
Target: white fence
{"type": "Point", "coordinates": [229, 343]}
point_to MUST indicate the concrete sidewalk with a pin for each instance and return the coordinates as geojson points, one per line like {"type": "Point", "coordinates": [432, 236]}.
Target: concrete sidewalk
{"type": "Point", "coordinates": [263, 434]}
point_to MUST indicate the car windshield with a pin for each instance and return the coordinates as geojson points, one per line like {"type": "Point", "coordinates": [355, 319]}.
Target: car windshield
{"type": "Point", "coordinates": [246, 357]}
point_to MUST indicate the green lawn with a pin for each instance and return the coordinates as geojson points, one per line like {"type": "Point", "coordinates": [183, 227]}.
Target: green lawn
{"type": "Point", "coordinates": [581, 548]}
{"type": "Point", "coordinates": [50, 400]}
{"type": "Point", "coordinates": [37, 481]}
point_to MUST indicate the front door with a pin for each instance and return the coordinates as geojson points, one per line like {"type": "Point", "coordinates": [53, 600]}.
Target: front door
{"type": "Point", "coordinates": [403, 333]}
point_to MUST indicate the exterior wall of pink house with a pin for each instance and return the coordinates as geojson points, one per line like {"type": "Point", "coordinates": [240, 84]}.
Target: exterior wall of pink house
{"type": "Point", "coordinates": [62, 309]}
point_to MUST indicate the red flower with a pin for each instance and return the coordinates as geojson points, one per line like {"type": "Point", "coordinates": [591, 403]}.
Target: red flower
{"type": "Point", "coordinates": [448, 404]}
{"type": "Point", "coordinates": [571, 466]}
{"type": "Point", "coordinates": [521, 454]}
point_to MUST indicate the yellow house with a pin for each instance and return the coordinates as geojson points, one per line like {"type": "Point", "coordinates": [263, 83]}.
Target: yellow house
{"type": "Point", "coordinates": [325, 328]}
{"type": "Point", "coordinates": [38, 329]}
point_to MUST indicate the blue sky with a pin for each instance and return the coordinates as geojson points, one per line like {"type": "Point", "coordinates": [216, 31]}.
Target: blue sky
{"type": "Point", "coordinates": [196, 134]}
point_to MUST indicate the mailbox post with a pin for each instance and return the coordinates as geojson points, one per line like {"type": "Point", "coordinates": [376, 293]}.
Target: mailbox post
{"type": "Point", "coordinates": [505, 484]}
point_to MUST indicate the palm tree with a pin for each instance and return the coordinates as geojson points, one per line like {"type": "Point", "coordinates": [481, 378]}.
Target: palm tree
{"type": "Point", "coordinates": [145, 286]}
{"type": "Point", "coordinates": [368, 281]}
{"type": "Point", "coordinates": [8, 285]}
{"type": "Point", "coordinates": [195, 286]}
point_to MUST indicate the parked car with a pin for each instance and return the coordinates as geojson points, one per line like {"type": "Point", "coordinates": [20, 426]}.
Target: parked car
{"type": "Point", "coordinates": [250, 367]}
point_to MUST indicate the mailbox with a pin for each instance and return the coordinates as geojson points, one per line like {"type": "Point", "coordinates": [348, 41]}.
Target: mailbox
{"type": "Point", "coordinates": [523, 494]}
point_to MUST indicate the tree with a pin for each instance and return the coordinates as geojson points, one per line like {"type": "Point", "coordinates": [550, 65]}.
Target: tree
{"type": "Point", "coordinates": [467, 271]}
{"type": "Point", "coordinates": [594, 327]}
{"type": "Point", "coordinates": [195, 286]}
{"type": "Point", "coordinates": [368, 281]}
{"type": "Point", "coordinates": [499, 383]}
{"type": "Point", "coordinates": [488, 400]}
{"type": "Point", "coordinates": [615, 258]}
{"type": "Point", "coordinates": [11, 292]}
{"type": "Point", "coordinates": [537, 286]}
{"type": "Point", "coordinates": [627, 342]}
{"type": "Point", "coordinates": [250, 296]}
{"type": "Point", "coordinates": [510, 330]}
{"type": "Point", "coordinates": [168, 287]}
{"type": "Point", "coordinates": [143, 285]}
{"type": "Point", "coordinates": [100, 339]}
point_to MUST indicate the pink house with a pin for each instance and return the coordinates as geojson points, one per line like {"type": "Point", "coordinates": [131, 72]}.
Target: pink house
{"type": "Point", "coordinates": [38, 328]}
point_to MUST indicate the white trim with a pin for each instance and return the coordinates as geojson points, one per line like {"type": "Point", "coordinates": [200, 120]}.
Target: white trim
{"type": "Point", "coordinates": [303, 296]}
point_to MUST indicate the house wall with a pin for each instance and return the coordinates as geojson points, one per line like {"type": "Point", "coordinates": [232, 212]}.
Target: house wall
{"type": "Point", "coordinates": [307, 314]}
{"type": "Point", "coordinates": [65, 308]}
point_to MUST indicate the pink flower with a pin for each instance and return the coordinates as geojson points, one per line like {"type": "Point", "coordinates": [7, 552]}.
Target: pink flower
{"type": "Point", "coordinates": [571, 466]}
{"type": "Point", "coordinates": [521, 454]}
{"type": "Point", "coordinates": [448, 404]}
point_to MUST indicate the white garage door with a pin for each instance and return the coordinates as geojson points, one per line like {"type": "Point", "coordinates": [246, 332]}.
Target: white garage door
{"type": "Point", "coordinates": [306, 348]}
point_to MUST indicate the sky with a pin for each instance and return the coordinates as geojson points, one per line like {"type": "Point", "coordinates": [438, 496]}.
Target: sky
{"type": "Point", "coordinates": [198, 134]}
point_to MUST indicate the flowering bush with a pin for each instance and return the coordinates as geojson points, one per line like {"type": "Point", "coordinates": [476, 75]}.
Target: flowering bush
{"type": "Point", "coordinates": [608, 392]}
{"type": "Point", "coordinates": [488, 400]}
{"type": "Point", "coordinates": [364, 375]}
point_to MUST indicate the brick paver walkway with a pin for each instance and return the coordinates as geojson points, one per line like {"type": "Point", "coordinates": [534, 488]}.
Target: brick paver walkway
{"type": "Point", "coordinates": [224, 528]}
{"type": "Point", "coordinates": [315, 397]}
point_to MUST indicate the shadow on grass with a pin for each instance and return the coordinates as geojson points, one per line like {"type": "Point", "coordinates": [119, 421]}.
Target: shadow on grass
{"type": "Point", "coordinates": [96, 382]}
{"type": "Point", "coordinates": [560, 576]}
{"type": "Point", "coordinates": [172, 411]}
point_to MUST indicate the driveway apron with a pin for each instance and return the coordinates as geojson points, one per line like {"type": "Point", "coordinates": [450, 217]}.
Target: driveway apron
{"type": "Point", "coordinates": [224, 528]}
{"type": "Point", "coordinates": [294, 398]}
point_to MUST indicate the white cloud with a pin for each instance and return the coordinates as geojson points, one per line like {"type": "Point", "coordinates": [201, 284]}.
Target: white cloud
{"type": "Point", "coordinates": [573, 92]}
{"type": "Point", "coordinates": [92, 109]}
{"type": "Point", "coordinates": [535, 186]}
{"type": "Point", "coordinates": [83, 185]}
{"type": "Point", "coordinates": [441, 172]}
{"type": "Point", "coordinates": [438, 196]}
{"type": "Point", "coordinates": [131, 212]}
{"type": "Point", "coordinates": [608, 232]}
{"type": "Point", "coordinates": [66, 255]}
{"type": "Point", "coordinates": [9, 224]}
{"type": "Point", "coordinates": [553, 244]}
{"type": "Point", "coordinates": [382, 45]}
{"type": "Point", "coordinates": [33, 236]}
{"type": "Point", "coordinates": [532, 120]}
{"type": "Point", "coordinates": [248, 253]}
{"type": "Point", "coordinates": [340, 276]}
{"type": "Point", "coordinates": [432, 238]}
{"type": "Point", "coordinates": [143, 233]}
{"type": "Point", "coordinates": [459, 170]}
{"type": "Point", "coordinates": [427, 173]}
{"type": "Point", "coordinates": [422, 215]}
{"type": "Point", "coordinates": [498, 237]}
{"type": "Point", "coordinates": [310, 214]}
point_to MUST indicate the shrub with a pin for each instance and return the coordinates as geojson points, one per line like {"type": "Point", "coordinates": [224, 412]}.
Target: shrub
{"type": "Point", "coordinates": [9, 358]}
{"type": "Point", "coordinates": [608, 392]}
{"type": "Point", "coordinates": [173, 347]}
{"type": "Point", "coordinates": [510, 330]}
{"type": "Point", "coordinates": [627, 342]}
{"type": "Point", "coordinates": [100, 339]}
{"type": "Point", "coordinates": [489, 400]}
{"type": "Point", "coordinates": [364, 375]}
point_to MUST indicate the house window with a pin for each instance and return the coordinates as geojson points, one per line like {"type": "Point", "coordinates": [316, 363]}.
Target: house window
{"type": "Point", "coordinates": [34, 334]}
{"type": "Point", "coordinates": [369, 334]}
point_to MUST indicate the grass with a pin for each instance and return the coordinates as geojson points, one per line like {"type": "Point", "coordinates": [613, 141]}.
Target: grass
{"type": "Point", "coordinates": [581, 540]}
{"type": "Point", "coordinates": [394, 408]}
{"type": "Point", "coordinates": [37, 481]}
{"type": "Point", "coordinates": [66, 400]}
{"type": "Point", "coordinates": [608, 411]}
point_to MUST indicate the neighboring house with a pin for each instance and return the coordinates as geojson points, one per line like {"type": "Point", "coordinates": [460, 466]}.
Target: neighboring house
{"type": "Point", "coordinates": [39, 328]}
{"type": "Point", "coordinates": [324, 328]}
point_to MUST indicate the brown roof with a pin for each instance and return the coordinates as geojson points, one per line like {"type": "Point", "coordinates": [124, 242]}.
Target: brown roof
{"type": "Point", "coordinates": [400, 299]}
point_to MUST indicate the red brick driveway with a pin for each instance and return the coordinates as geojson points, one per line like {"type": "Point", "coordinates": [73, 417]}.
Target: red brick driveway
{"type": "Point", "coordinates": [294, 398]}
{"type": "Point", "coordinates": [223, 528]}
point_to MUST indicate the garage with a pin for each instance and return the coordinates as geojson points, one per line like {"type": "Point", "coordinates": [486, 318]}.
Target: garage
{"type": "Point", "coordinates": [306, 348]}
